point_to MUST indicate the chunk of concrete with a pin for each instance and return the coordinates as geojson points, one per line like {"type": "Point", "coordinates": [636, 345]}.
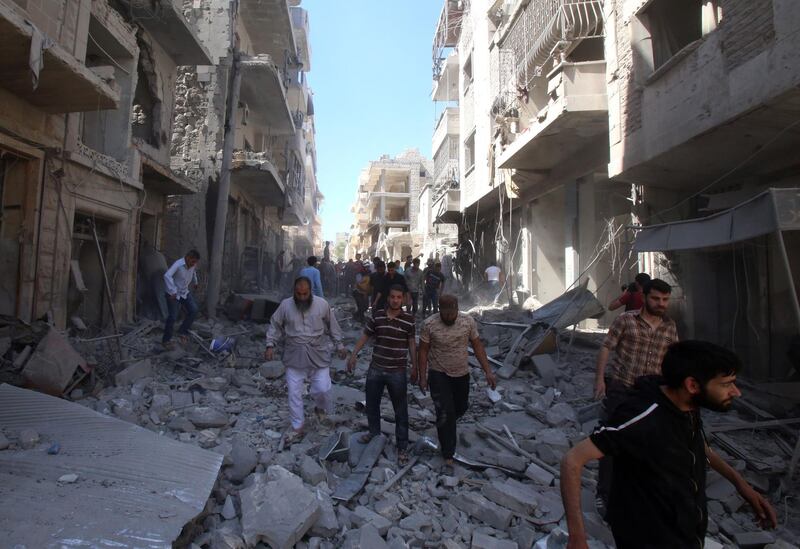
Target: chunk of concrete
{"type": "Point", "coordinates": [53, 364]}
{"type": "Point", "coordinates": [327, 525]}
{"type": "Point", "coordinates": [244, 458]}
{"type": "Point", "coordinates": [512, 495]}
{"type": "Point", "coordinates": [272, 369]}
{"type": "Point", "coordinates": [484, 510]}
{"type": "Point", "coordinates": [310, 471]}
{"type": "Point", "coordinates": [362, 516]}
{"type": "Point", "coordinates": [539, 475]}
{"type": "Point", "coordinates": [545, 368]}
{"type": "Point", "coordinates": [366, 537]}
{"type": "Point", "coordinates": [484, 541]}
{"type": "Point", "coordinates": [228, 509]}
{"type": "Point", "coordinates": [277, 512]}
{"type": "Point", "coordinates": [416, 522]}
{"type": "Point", "coordinates": [560, 414]}
{"type": "Point", "coordinates": [135, 371]}
{"type": "Point", "coordinates": [204, 416]}
{"type": "Point", "coordinates": [753, 540]}
{"type": "Point", "coordinates": [28, 438]}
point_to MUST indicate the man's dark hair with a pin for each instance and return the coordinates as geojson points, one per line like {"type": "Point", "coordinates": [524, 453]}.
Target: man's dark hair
{"type": "Point", "coordinates": [380, 265]}
{"type": "Point", "coordinates": [642, 279]}
{"type": "Point", "coordinates": [448, 302]}
{"type": "Point", "coordinates": [312, 260]}
{"type": "Point", "coordinates": [193, 254]}
{"type": "Point", "coordinates": [302, 280]}
{"type": "Point", "coordinates": [397, 288]}
{"type": "Point", "coordinates": [391, 265]}
{"type": "Point", "coordinates": [658, 285]}
{"type": "Point", "coordinates": [415, 261]}
{"type": "Point", "coordinates": [437, 264]}
{"type": "Point", "coordinates": [701, 360]}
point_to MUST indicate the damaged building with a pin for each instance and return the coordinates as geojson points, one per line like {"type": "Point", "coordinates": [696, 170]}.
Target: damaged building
{"type": "Point", "coordinates": [273, 200]}
{"type": "Point", "coordinates": [86, 89]}
{"type": "Point", "coordinates": [576, 127]}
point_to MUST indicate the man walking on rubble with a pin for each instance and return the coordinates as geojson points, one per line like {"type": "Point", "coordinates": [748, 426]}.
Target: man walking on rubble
{"type": "Point", "coordinates": [311, 333]}
{"type": "Point", "coordinates": [443, 364]}
{"type": "Point", "coordinates": [178, 277]}
{"type": "Point", "coordinates": [639, 340]}
{"type": "Point", "coordinates": [414, 281]}
{"type": "Point", "coordinates": [658, 496]}
{"type": "Point", "coordinates": [394, 333]}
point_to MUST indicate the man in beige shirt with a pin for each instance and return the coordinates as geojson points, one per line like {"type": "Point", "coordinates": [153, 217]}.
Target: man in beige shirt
{"type": "Point", "coordinates": [443, 346]}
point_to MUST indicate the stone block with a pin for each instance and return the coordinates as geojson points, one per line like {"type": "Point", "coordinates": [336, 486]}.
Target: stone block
{"type": "Point", "coordinates": [272, 370]}
{"type": "Point", "coordinates": [545, 368]}
{"type": "Point", "coordinates": [539, 475]}
{"type": "Point", "coordinates": [484, 541]}
{"type": "Point", "coordinates": [327, 525]}
{"type": "Point", "coordinates": [244, 460]}
{"type": "Point", "coordinates": [135, 371]}
{"type": "Point", "coordinates": [362, 516]}
{"type": "Point", "coordinates": [560, 414]}
{"type": "Point", "coordinates": [279, 526]}
{"type": "Point", "coordinates": [204, 417]}
{"type": "Point", "coordinates": [753, 540]}
{"type": "Point", "coordinates": [416, 522]}
{"type": "Point", "coordinates": [366, 537]}
{"type": "Point", "coordinates": [512, 495]}
{"type": "Point", "coordinates": [28, 438]}
{"type": "Point", "coordinates": [484, 510]}
{"type": "Point", "coordinates": [311, 472]}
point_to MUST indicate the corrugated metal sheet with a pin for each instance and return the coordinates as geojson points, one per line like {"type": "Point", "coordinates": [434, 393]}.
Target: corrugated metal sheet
{"type": "Point", "coordinates": [136, 488]}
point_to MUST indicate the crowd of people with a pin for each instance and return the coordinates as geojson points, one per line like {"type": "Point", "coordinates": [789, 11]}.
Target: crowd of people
{"type": "Point", "coordinates": [650, 441]}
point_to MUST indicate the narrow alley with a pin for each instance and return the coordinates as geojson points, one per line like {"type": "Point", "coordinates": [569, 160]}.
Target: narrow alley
{"type": "Point", "coordinates": [254, 294]}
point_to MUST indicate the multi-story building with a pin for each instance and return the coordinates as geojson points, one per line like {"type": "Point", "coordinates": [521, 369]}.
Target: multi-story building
{"type": "Point", "coordinates": [86, 110]}
{"type": "Point", "coordinates": [272, 179]}
{"type": "Point", "coordinates": [386, 207]}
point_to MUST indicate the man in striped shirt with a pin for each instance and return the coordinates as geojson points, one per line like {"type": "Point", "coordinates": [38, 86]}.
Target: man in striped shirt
{"type": "Point", "coordinates": [394, 333]}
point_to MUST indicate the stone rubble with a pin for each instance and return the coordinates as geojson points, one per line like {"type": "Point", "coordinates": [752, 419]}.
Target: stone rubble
{"type": "Point", "coordinates": [270, 494]}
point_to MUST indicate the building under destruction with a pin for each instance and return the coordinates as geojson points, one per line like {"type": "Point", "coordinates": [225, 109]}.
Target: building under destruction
{"type": "Point", "coordinates": [111, 136]}
{"type": "Point", "coordinates": [595, 138]}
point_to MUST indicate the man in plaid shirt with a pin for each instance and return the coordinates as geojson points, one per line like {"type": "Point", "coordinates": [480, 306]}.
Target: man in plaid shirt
{"type": "Point", "coordinates": [639, 340]}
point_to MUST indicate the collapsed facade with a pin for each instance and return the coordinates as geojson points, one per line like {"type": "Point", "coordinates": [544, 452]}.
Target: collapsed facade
{"type": "Point", "coordinates": [85, 126]}
{"type": "Point", "coordinates": [579, 120]}
{"type": "Point", "coordinates": [274, 201]}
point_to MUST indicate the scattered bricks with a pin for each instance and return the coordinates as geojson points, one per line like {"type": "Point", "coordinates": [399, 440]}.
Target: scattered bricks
{"type": "Point", "coordinates": [310, 471]}
{"type": "Point", "coordinates": [539, 475]}
{"type": "Point", "coordinates": [362, 516]}
{"type": "Point", "coordinates": [753, 540]}
{"type": "Point", "coordinates": [28, 438]}
{"type": "Point", "coordinates": [387, 508]}
{"type": "Point", "coordinates": [560, 414]}
{"type": "Point", "coordinates": [272, 370]}
{"type": "Point", "coordinates": [203, 417]}
{"type": "Point", "coordinates": [135, 371]}
{"type": "Point", "coordinates": [279, 526]}
{"type": "Point", "coordinates": [484, 510]}
{"type": "Point", "coordinates": [512, 495]}
{"type": "Point", "coordinates": [483, 541]}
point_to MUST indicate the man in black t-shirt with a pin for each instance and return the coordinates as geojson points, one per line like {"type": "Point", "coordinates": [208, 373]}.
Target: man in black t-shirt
{"type": "Point", "coordinates": [433, 281]}
{"type": "Point", "coordinates": [391, 278]}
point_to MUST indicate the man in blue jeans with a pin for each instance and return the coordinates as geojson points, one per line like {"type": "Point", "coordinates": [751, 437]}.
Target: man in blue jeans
{"type": "Point", "coordinates": [177, 280]}
{"type": "Point", "coordinates": [394, 333]}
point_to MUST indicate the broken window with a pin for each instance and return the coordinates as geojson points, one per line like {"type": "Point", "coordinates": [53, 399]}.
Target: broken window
{"type": "Point", "coordinates": [146, 111]}
{"type": "Point", "coordinates": [674, 24]}
{"type": "Point", "coordinates": [469, 152]}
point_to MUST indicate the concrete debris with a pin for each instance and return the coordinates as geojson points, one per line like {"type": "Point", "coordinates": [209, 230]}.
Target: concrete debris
{"type": "Point", "coordinates": [366, 537]}
{"type": "Point", "coordinates": [272, 370]}
{"type": "Point", "coordinates": [53, 364]}
{"type": "Point", "coordinates": [278, 512]}
{"type": "Point", "coordinates": [134, 372]}
{"type": "Point", "coordinates": [4, 443]}
{"type": "Point", "coordinates": [310, 471]}
{"type": "Point", "coordinates": [203, 416]}
{"type": "Point", "coordinates": [28, 438]}
{"type": "Point", "coordinates": [68, 479]}
{"type": "Point", "coordinates": [483, 541]}
{"type": "Point", "coordinates": [477, 506]}
{"type": "Point", "coordinates": [228, 509]}
{"type": "Point", "coordinates": [513, 495]}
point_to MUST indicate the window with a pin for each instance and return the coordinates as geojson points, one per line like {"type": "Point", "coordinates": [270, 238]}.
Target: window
{"type": "Point", "coordinates": [469, 152]}
{"type": "Point", "coordinates": [467, 70]}
{"type": "Point", "coordinates": [674, 24]}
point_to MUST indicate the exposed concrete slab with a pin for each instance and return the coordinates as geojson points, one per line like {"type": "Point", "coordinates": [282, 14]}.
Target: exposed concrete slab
{"type": "Point", "coordinates": [265, 95]}
{"type": "Point", "coordinates": [133, 487]}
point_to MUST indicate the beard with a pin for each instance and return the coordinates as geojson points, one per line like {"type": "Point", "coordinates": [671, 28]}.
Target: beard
{"type": "Point", "coordinates": [303, 306]}
{"type": "Point", "coordinates": [447, 321]}
{"type": "Point", "coordinates": [654, 312]}
{"type": "Point", "coordinates": [702, 400]}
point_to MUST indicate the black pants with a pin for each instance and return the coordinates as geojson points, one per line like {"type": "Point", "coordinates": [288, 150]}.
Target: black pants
{"type": "Point", "coordinates": [362, 304]}
{"type": "Point", "coordinates": [413, 306]}
{"type": "Point", "coordinates": [451, 399]}
{"type": "Point", "coordinates": [397, 385]}
{"type": "Point", "coordinates": [616, 393]}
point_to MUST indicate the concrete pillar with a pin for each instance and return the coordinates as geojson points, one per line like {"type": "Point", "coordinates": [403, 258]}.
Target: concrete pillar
{"type": "Point", "coordinates": [571, 241]}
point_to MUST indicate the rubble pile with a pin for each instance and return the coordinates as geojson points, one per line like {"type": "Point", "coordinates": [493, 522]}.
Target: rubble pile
{"type": "Point", "coordinates": [330, 490]}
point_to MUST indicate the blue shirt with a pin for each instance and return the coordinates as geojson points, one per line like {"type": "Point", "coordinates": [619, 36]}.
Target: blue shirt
{"type": "Point", "coordinates": [312, 273]}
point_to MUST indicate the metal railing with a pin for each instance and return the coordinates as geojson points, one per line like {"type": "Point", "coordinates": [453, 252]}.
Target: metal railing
{"type": "Point", "coordinates": [544, 28]}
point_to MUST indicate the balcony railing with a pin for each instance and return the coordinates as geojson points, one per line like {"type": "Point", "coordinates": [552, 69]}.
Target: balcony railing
{"type": "Point", "coordinates": [542, 29]}
{"type": "Point", "coordinates": [445, 158]}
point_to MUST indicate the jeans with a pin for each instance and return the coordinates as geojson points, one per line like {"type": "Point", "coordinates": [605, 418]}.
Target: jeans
{"type": "Point", "coordinates": [451, 399]}
{"type": "Point", "coordinates": [397, 385]}
{"type": "Point", "coordinates": [431, 300]}
{"type": "Point", "coordinates": [616, 393]}
{"type": "Point", "coordinates": [414, 301]}
{"type": "Point", "coordinates": [173, 306]}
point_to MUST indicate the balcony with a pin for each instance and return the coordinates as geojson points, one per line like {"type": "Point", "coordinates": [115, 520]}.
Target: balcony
{"type": "Point", "coordinates": [445, 84]}
{"type": "Point", "coordinates": [162, 179]}
{"type": "Point", "coordinates": [575, 116]}
{"type": "Point", "coordinates": [269, 25]}
{"type": "Point", "coordinates": [446, 126]}
{"type": "Point", "coordinates": [265, 95]}
{"type": "Point", "coordinates": [447, 208]}
{"type": "Point", "coordinates": [257, 175]}
{"type": "Point", "coordinates": [300, 24]}
{"type": "Point", "coordinates": [293, 213]}
{"type": "Point", "coordinates": [376, 221]}
{"type": "Point", "coordinates": [64, 83]}
{"type": "Point", "coordinates": [170, 30]}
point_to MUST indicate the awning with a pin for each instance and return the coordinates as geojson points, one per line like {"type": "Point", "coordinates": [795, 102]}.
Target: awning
{"type": "Point", "coordinates": [772, 210]}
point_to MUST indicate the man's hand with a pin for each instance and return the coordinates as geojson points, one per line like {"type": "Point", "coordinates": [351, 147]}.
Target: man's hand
{"type": "Point", "coordinates": [423, 383]}
{"type": "Point", "coordinates": [341, 353]}
{"type": "Point", "coordinates": [491, 379]}
{"type": "Point", "coordinates": [599, 388]}
{"type": "Point", "coordinates": [765, 514]}
{"type": "Point", "coordinates": [268, 354]}
{"type": "Point", "coordinates": [351, 364]}
{"type": "Point", "coordinates": [414, 375]}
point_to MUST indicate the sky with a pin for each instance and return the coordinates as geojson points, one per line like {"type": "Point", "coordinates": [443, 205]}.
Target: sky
{"type": "Point", "coordinates": [371, 78]}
